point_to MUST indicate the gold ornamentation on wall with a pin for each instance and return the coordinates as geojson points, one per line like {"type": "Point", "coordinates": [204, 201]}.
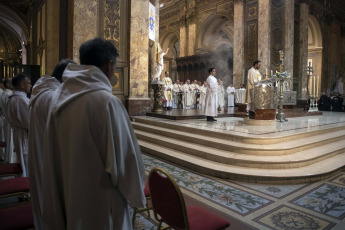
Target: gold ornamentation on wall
{"type": "Point", "coordinates": [115, 80]}
{"type": "Point", "coordinates": [112, 22]}
{"type": "Point", "coordinates": [252, 11]}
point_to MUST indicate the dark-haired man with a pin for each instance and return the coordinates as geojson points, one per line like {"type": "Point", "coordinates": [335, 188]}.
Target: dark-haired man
{"type": "Point", "coordinates": [19, 116]}
{"type": "Point", "coordinates": [40, 101]}
{"type": "Point", "coordinates": [92, 161]}
{"type": "Point", "coordinates": [211, 100]}
{"type": "Point", "coordinates": [253, 77]}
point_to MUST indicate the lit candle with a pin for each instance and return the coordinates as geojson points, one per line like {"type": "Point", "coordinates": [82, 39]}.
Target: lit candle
{"type": "Point", "coordinates": [271, 73]}
{"type": "Point", "coordinates": [266, 73]}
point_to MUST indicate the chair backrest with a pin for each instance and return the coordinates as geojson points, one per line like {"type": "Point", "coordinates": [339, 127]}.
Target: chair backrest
{"type": "Point", "coordinates": [167, 199]}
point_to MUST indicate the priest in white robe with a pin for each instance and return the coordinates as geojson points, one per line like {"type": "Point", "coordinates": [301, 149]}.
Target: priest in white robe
{"type": "Point", "coordinates": [92, 161]}
{"type": "Point", "coordinates": [221, 95]}
{"type": "Point", "coordinates": [176, 90]}
{"type": "Point", "coordinates": [19, 116]}
{"type": "Point", "coordinates": [40, 101]}
{"type": "Point", "coordinates": [211, 101]}
{"type": "Point", "coordinates": [203, 89]}
{"type": "Point", "coordinates": [253, 77]}
{"type": "Point", "coordinates": [188, 95]}
{"type": "Point", "coordinates": [231, 95]}
{"type": "Point", "coordinates": [8, 132]}
{"type": "Point", "coordinates": [167, 91]}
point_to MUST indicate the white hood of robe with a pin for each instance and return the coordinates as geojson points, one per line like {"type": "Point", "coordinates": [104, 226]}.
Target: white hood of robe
{"type": "Point", "coordinates": [84, 79]}
{"type": "Point", "coordinates": [42, 85]}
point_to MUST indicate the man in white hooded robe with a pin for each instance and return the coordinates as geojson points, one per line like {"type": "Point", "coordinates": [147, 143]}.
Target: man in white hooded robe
{"type": "Point", "coordinates": [40, 101]}
{"type": "Point", "coordinates": [211, 100]}
{"type": "Point", "coordinates": [92, 161]}
{"type": "Point", "coordinates": [19, 116]}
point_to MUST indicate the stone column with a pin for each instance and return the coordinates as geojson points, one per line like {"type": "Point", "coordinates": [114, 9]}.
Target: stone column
{"type": "Point", "coordinates": [85, 23]}
{"type": "Point", "coordinates": [264, 35]}
{"type": "Point", "coordinates": [303, 29]}
{"type": "Point", "coordinates": [52, 36]}
{"type": "Point", "coordinates": [289, 37]}
{"type": "Point", "coordinates": [183, 32]}
{"type": "Point", "coordinates": [138, 102]}
{"type": "Point", "coordinates": [239, 26]}
{"type": "Point", "coordinates": [183, 40]}
{"type": "Point", "coordinates": [191, 22]}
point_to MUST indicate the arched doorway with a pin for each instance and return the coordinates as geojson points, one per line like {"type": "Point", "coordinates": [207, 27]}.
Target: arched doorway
{"type": "Point", "coordinates": [315, 49]}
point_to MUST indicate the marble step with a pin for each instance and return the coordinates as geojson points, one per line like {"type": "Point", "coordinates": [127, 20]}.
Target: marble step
{"type": "Point", "coordinates": [309, 173]}
{"type": "Point", "coordinates": [298, 159]}
{"type": "Point", "coordinates": [287, 147]}
{"type": "Point", "coordinates": [274, 137]}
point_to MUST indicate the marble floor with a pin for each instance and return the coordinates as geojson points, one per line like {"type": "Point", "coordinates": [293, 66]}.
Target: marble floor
{"type": "Point", "coordinates": [312, 206]}
{"type": "Point", "coordinates": [235, 125]}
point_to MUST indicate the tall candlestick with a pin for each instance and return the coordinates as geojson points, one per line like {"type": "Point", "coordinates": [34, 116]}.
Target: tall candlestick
{"type": "Point", "coordinates": [266, 73]}
{"type": "Point", "coordinates": [310, 86]}
{"type": "Point", "coordinates": [314, 87]}
{"type": "Point", "coordinates": [317, 86]}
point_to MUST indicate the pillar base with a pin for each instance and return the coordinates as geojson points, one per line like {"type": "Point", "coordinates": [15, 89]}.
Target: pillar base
{"type": "Point", "coordinates": [138, 106]}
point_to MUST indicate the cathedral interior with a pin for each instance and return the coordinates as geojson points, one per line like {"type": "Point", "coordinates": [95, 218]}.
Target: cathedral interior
{"type": "Point", "coordinates": [228, 35]}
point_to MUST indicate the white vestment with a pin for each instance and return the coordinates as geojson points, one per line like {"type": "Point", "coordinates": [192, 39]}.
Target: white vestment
{"type": "Point", "coordinates": [92, 162]}
{"type": "Point", "coordinates": [176, 90]}
{"type": "Point", "coordinates": [211, 101]}
{"type": "Point", "coordinates": [240, 95]}
{"type": "Point", "coordinates": [195, 88]}
{"type": "Point", "coordinates": [188, 95]}
{"type": "Point", "coordinates": [168, 86]}
{"type": "Point", "coordinates": [231, 96]}
{"type": "Point", "coordinates": [40, 101]}
{"type": "Point", "coordinates": [8, 132]}
{"type": "Point", "coordinates": [203, 95]}
{"type": "Point", "coordinates": [19, 116]}
{"type": "Point", "coordinates": [221, 95]}
{"type": "Point", "coordinates": [253, 77]}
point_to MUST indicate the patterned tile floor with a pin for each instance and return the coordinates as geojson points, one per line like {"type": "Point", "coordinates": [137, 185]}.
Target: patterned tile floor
{"type": "Point", "coordinates": [313, 206]}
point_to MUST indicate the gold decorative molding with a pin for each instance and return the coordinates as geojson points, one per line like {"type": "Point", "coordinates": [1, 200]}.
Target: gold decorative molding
{"type": "Point", "coordinates": [112, 22]}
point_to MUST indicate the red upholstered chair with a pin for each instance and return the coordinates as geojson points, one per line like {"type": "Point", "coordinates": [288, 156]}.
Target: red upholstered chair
{"type": "Point", "coordinates": [147, 196]}
{"type": "Point", "coordinates": [13, 169]}
{"type": "Point", "coordinates": [169, 206]}
{"type": "Point", "coordinates": [18, 186]}
{"type": "Point", "coordinates": [17, 217]}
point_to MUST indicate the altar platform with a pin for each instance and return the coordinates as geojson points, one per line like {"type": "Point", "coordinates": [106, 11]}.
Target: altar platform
{"type": "Point", "coordinates": [187, 114]}
{"type": "Point", "coordinates": [302, 150]}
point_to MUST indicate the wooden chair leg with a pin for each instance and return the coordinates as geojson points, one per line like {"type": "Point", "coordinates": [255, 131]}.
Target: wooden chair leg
{"type": "Point", "coordinates": [134, 215]}
{"type": "Point", "coordinates": [160, 225]}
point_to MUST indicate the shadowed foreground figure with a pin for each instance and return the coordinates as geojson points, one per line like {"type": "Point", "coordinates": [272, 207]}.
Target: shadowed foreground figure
{"type": "Point", "coordinates": [40, 101]}
{"type": "Point", "coordinates": [92, 162]}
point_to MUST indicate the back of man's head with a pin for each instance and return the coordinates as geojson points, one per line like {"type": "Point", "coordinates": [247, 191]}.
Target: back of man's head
{"type": "Point", "coordinates": [97, 52]}
{"type": "Point", "coordinates": [60, 68]}
{"type": "Point", "coordinates": [19, 78]}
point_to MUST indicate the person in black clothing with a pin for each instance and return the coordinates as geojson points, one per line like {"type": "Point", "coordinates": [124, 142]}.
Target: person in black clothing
{"type": "Point", "coordinates": [337, 103]}
{"type": "Point", "coordinates": [324, 102]}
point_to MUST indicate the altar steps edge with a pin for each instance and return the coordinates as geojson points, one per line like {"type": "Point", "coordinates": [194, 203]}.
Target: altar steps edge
{"type": "Point", "coordinates": [310, 173]}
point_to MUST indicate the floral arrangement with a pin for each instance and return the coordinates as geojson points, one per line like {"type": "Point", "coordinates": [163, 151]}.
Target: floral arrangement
{"type": "Point", "coordinates": [282, 75]}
